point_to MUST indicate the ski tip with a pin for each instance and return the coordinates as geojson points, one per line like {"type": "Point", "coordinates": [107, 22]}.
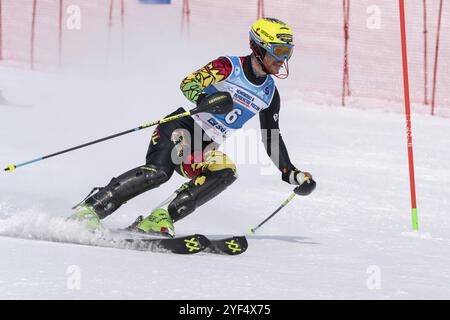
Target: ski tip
{"type": "Point", "coordinates": [233, 245]}
{"type": "Point", "coordinates": [236, 245]}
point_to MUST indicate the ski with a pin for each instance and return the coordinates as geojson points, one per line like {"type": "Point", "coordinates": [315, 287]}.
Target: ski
{"type": "Point", "coordinates": [187, 244]}
{"type": "Point", "coordinates": [233, 245]}
{"type": "Point", "coordinates": [190, 244]}
{"type": "Point", "coordinates": [230, 246]}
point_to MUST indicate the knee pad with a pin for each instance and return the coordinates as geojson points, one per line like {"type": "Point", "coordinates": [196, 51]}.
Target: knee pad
{"type": "Point", "coordinates": [200, 190]}
{"type": "Point", "coordinates": [125, 187]}
{"type": "Point", "coordinates": [216, 161]}
{"type": "Point", "coordinates": [212, 160]}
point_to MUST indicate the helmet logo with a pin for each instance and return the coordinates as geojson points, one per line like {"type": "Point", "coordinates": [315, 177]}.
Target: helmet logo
{"type": "Point", "coordinates": [285, 37]}
{"type": "Point", "coordinates": [267, 35]}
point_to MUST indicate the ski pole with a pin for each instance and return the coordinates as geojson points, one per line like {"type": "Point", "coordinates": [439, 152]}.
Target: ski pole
{"type": "Point", "coordinates": [304, 189]}
{"type": "Point", "coordinates": [252, 230]}
{"type": "Point", "coordinates": [216, 103]}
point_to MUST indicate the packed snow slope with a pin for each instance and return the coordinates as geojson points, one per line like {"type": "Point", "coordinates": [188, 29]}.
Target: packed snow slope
{"type": "Point", "coordinates": [350, 239]}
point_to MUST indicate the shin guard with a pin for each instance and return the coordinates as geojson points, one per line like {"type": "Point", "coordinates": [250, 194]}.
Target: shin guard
{"type": "Point", "coordinates": [200, 190]}
{"type": "Point", "coordinates": [125, 187]}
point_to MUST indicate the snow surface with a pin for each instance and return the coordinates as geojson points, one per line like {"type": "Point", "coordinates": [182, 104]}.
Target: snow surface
{"type": "Point", "coordinates": [351, 239]}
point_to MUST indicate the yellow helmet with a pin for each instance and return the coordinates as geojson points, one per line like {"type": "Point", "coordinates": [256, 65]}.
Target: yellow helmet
{"type": "Point", "coordinates": [274, 36]}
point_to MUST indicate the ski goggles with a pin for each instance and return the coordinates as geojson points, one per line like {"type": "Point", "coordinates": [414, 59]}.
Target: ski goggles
{"type": "Point", "coordinates": [280, 51]}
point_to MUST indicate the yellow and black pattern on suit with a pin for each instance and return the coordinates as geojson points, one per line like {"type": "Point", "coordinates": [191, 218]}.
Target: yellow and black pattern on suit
{"type": "Point", "coordinates": [213, 160]}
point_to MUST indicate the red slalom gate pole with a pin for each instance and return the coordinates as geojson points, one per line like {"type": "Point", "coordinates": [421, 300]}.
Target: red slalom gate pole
{"type": "Point", "coordinates": [60, 30]}
{"type": "Point", "coordinates": [260, 13]}
{"type": "Point", "coordinates": [185, 15]}
{"type": "Point", "coordinates": [425, 52]}
{"type": "Point", "coordinates": [415, 223]}
{"type": "Point", "coordinates": [122, 23]}
{"type": "Point", "coordinates": [1, 31]}
{"type": "Point", "coordinates": [122, 12]}
{"type": "Point", "coordinates": [345, 79]}
{"type": "Point", "coordinates": [33, 31]}
{"type": "Point", "coordinates": [436, 56]}
{"type": "Point", "coordinates": [110, 24]}
{"type": "Point", "coordinates": [110, 16]}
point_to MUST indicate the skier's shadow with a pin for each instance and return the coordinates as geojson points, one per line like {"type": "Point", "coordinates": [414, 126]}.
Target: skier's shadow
{"type": "Point", "coordinates": [291, 239]}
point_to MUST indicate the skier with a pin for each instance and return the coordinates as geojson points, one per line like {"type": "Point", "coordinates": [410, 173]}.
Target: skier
{"type": "Point", "coordinates": [175, 145]}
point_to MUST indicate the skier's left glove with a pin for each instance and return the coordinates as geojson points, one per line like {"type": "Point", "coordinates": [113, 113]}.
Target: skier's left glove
{"type": "Point", "coordinates": [304, 180]}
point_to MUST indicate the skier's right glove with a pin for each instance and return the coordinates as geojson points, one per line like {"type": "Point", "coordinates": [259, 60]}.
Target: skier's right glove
{"type": "Point", "coordinates": [304, 180]}
{"type": "Point", "coordinates": [219, 102]}
{"type": "Point", "coordinates": [201, 96]}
